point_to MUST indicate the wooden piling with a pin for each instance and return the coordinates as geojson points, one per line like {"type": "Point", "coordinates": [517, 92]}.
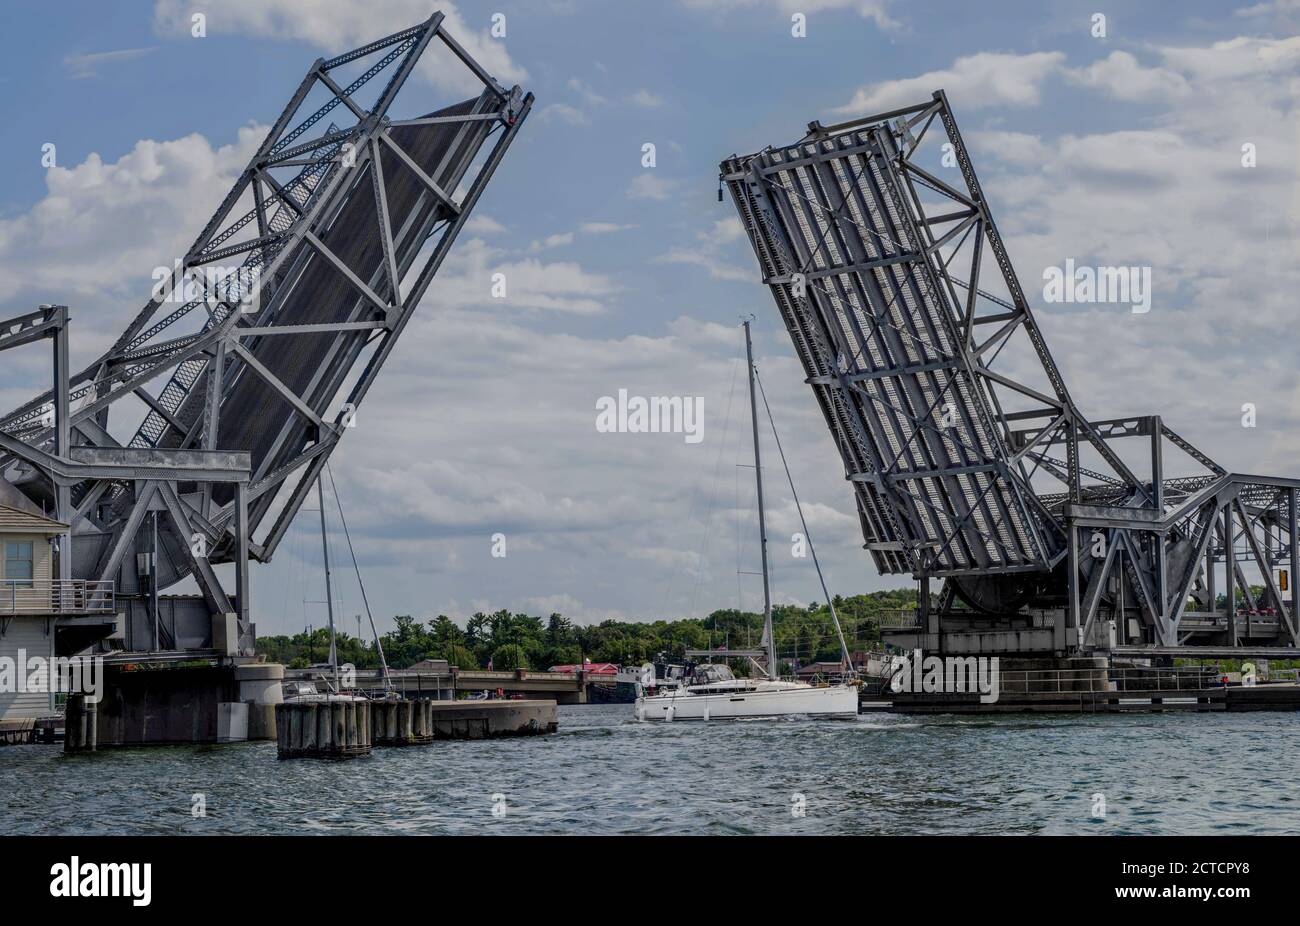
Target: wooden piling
{"type": "Point", "coordinates": [80, 725]}
{"type": "Point", "coordinates": [326, 728]}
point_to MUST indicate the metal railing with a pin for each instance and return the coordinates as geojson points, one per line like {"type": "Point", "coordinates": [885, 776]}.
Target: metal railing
{"type": "Point", "coordinates": [1120, 679]}
{"type": "Point", "coordinates": [899, 619]}
{"type": "Point", "coordinates": [56, 596]}
{"type": "Point", "coordinates": [910, 619]}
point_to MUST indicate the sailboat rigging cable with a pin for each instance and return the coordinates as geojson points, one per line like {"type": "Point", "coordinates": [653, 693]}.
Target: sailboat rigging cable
{"type": "Point", "coordinates": [388, 682]}
{"type": "Point", "coordinates": [839, 632]}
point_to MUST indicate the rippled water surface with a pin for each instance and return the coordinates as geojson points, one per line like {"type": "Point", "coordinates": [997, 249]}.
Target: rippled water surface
{"type": "Point", "coordinates": [606, 773]}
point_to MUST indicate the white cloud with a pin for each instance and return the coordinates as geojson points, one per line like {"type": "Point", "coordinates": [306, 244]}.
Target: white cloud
{"type": "Point", "coordinates": [976, 81]}
{"type": "Point", "coordinates": [88, 65]}
{"type": "Point", "coordinates": [1169, 192]}
{"type": "Point", "coordinates": [645, 98]}
{"type": "Point", "coordinates": [602, 228]}
{"type": "Point", "coordinates": [589, 97]}
{"type": "Point", "coordinates": [648, 185]}
{"type": "Point", "coordinates": [483, 423]}
{"type": "Point", "coordinates": [552, 241]}
{"type": "Point", "coordinates": [715, 267]}
{"type": "Point", "coordinates": [1121, 77]}
{"type": "Point", "coordinates": [93, 239]}
{"type": "Point", "coordinates": [466, 280]}
{"type": "Point", "coordinates": [725, 231]}
{"type": "Point", "coordinates": [564, 112]}
{"type": "Point", "coordinates": [1011, 147]}
{"type": "Point", "coordinates": [480, 223]}
{"type": "Point", "coordinates": [340, 25]}
{"type": "Point", "coordinates": [580, 114]}
{"type": "Point", "coordinates": [875, 10]}
{"type": "Point", "coordinates": [1235, 59]}
{"type": "Point", "coordinates": [707, 252]}
{"type": "Point", "coordinates": [1273, 8]}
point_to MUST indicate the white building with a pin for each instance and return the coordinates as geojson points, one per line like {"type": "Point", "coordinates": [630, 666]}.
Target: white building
{"type": "Point", "coordinates": [34, 602]}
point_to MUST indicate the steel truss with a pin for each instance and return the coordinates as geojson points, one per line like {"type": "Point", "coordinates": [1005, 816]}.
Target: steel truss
{"type": "Point", "coordinates": [881, 271]}
{"type": "Point", "coordinates": [333, 233]}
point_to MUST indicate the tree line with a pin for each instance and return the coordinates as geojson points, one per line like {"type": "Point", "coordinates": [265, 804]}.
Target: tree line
{"type": "Point", "coordinates": [507, 640]}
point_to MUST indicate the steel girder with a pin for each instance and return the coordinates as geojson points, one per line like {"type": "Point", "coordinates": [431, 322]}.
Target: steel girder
{"type": "Point", "coordinates": [890, 336]}
{"type": "Point", "coordinates": [880, 270]}
{"type": "Point", "coordinates": [336, 228]}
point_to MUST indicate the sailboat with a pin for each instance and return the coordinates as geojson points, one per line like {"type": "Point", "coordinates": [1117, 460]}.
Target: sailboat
{"type": "Point", "coordinates": [335, 689]}
{"type": "Point", "coordinates": [712, 691]}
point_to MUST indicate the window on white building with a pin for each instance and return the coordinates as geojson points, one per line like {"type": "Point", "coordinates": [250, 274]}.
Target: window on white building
{"type": "Point", "coordinates": [19, 563]}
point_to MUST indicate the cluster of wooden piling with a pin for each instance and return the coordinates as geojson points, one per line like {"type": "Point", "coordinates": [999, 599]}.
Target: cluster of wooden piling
{"type": "Point", "coordinates": [340, 727]}
{"type": "Point", "coordinates": [346, 727]}
{"type": "Point", "coordinates": [329, 727]}
{"type": "Point", "coordinates": [401, 723]}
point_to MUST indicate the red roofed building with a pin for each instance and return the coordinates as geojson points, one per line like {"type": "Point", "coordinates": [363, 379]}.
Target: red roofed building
{"type": "Point", "coordinates": [591, 668]}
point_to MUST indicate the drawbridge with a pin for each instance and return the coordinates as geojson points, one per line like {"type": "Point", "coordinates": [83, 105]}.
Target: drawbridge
{"type": "Point", "coordinates": [193, 441]}
{"type": "Point", "coordinates": [973, 469]}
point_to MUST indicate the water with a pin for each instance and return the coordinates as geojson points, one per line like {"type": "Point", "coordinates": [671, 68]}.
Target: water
{"type": "Point", "coordinates": [606, 773]}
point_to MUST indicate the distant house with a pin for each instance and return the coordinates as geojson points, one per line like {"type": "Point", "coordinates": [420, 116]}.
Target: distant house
{"type": "Point", "coordinates": [437, 666]}
{"type": "Point", "coordinates": [591, 668]}
{"type": "Point", "coordinates": [37, 606]}
{"type": "Point", "coordinates": [28, 605]}
{"type": "Point", "coordinates": [818, 668]}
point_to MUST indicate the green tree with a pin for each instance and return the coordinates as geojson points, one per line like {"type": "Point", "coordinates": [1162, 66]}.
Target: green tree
{"type": "Point", "coordinates": [459, 656]}
{"type": "Point", "coordinates": [510, 656]}
{"type": "Point", "coordinates": [444, 631]}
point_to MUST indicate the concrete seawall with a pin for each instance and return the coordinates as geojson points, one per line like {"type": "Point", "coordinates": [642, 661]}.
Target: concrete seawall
{"type": "Point", "coordinates": [483, 719]}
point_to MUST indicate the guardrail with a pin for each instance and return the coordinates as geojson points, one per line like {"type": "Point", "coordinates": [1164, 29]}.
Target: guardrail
{"type": "Point", "coordinates": [56, 596]}
{"type": "Point", "coordinates": [899, 619]}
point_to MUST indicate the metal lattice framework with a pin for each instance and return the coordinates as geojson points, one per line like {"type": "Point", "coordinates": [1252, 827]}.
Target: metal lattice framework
{"type": "Point", "coordinates": [267, 335]}
{"type": "Point", "coordinates": [900, 299]}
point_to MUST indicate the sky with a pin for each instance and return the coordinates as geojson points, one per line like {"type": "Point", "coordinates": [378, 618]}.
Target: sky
{"type": "Point", "coordinates": [1122, 149]}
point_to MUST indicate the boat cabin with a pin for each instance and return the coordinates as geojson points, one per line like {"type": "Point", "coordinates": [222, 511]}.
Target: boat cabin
{"type": "Point", "coordinates": [710, 677]}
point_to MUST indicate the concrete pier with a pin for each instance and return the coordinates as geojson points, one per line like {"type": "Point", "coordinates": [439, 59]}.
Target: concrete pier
{"type": "Point", "coordinates": [260, 687]}
{"type": "Point", "coordinates": [484, 719]}
{"type": "Point", "coordinates": [170, 701]}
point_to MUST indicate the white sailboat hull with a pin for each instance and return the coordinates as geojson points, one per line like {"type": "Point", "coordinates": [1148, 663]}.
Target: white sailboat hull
{"type": "Point", "coordinates": [833, 700]}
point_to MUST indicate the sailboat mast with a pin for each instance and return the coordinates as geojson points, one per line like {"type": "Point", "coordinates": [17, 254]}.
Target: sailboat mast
{"type": "Point", "coordinates": [762, 522]}
{"type": "Point", "coordinates": [329, 594]}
